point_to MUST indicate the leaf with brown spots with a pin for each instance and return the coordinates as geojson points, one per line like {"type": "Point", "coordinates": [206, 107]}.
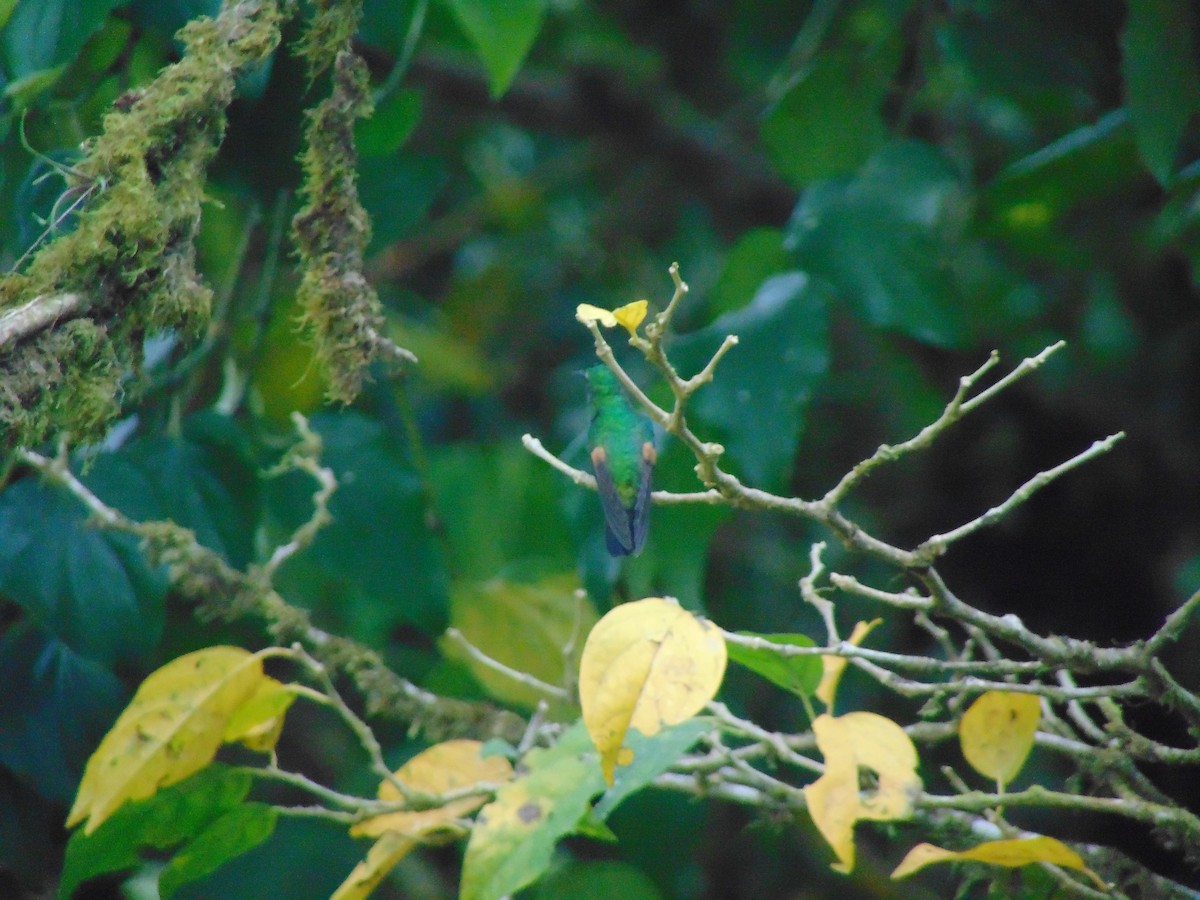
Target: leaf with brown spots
{"type": "Point", "coordinates": [514, 836]}
{"type": "Point", "coordinates": [171, 729]}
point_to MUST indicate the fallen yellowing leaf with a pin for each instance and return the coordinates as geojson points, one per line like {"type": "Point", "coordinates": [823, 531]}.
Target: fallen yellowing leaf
{"type": "Point", "coordinates": [171, 729]}
{"type": "Point", "coordinates": [444, 767]}
{"type": "Point", "coordinates": [646, 664]}
{"type": "Point", "coordinates": [1009, 853]}
{"type": "Point", "coordinates": [860, 740]}
{"type": "Point", "coordinates": [833, 666]}
{"type": "Point", "coordinates": [996, 733]}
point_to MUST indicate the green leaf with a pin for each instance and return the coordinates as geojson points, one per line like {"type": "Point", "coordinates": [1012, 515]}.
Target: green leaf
{"type": "Point", "coordinates": [1026, 202]}
{"type": "Point", "coordinates": [798, 674]}
{"type": "Point", "coordinates": [756, 256]}
{"type": "Point", "coordinates": [601, 880]}
{"type": "Point", "coordinates": [498, 504]}
{"type": "Point", "coordinates": [204, 819]}
{"type": "Point", "coordinates": [378, 563]}
{"type": "Point", "coordinates": [831, 121]}
{"type": "Point", "coordinates": [761, 390]}
{"type": "Point", "coordinates": [887, 239]}
{"type": "Point", "coordinates": [54, 708]}
{"type": "Point", "coordinates": [41, 34]}
{"type": "Point", "coordinates": [1162, 87]}
{"type": "Point", "coordinates": [514, 836]}
{"type": "Point", "coordinates": [398, 191]}
{"type": "Point", "coordinates": [69, 576]}
{"type": "Point", "coordinates": [390, 125]}
{"type": "Point", "coordinates": [502, 31]}
{"type": "Point", "coordinates": [203, 480]}
{"type": "Point", "coordinates": [651, 757]}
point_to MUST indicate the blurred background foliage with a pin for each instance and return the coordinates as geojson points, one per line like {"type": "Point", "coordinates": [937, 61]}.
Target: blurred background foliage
{"type": "Point", "coordinates": [873, 194]}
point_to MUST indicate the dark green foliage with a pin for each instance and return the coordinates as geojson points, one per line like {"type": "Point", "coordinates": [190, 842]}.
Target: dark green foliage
{"type": "Point", "coordinates": [872, 194]}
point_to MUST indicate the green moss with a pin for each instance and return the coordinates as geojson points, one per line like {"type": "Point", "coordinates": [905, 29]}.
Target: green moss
{"type": "Point", "coordinates": [131, 255]}
{"type": "Point", "coordinates": [339, 309]}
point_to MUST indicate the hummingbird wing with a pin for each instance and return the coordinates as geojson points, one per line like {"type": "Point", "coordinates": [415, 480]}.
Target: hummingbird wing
{"type": "Point", "coordinates": [639, 516]}
{"type": "Point", "coordinates": [617, 518]}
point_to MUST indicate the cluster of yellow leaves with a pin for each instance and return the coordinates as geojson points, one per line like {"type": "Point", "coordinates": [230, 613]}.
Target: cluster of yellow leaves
{"type": "Point", "coordinates": [453, 766]}
{"type": "Point", "coordinates": [646, 664]}
{"type": "Point", "coordinates": [176, 722]}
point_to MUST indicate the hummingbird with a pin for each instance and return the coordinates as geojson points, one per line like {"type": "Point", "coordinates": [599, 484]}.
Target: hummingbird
{"type": "Point", "coordinates": [621, 444]}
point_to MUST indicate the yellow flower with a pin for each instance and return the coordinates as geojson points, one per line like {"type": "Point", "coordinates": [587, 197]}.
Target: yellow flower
{"type": "Point", "coordinates": [629, 316]}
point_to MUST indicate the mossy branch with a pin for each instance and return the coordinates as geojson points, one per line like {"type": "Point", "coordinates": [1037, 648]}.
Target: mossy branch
{"type": "Point", "coordinates": [128, 268]}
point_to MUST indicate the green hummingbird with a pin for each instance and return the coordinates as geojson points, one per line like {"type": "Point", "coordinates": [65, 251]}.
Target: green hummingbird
{"type": "Point", "coordinates": [621, 444]}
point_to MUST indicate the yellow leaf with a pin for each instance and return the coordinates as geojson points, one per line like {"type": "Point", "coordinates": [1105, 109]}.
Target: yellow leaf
{"type": "Point", "coordinates": [381, 859]}
{"type": "Point", "coordinates": [445, 767]}
{"type": "Point", "coordinates": [646, 664]}
{"type": "Point", "coordinates": [585, 313]}
{"type": "Point", "coordinates": [833, 666]}
{"type": "Point", "coordinates": [258, 722]}
{"type": "Point", "coordinates": [1009, 853]}
{"type": "Point", "coordinates": [850, 743]}
{"type": "Point", "coordinates": [171, 729]}
{"type": "Point", "coordinates": [997, 732]}
{"type": "Point", "coordinates": [630, 315]}
{"type": "Point", "coordinates": [526, 626]}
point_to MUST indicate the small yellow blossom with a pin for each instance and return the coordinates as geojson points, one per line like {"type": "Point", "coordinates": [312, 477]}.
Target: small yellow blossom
{"type": "Point", "coordinates": [629, 316]}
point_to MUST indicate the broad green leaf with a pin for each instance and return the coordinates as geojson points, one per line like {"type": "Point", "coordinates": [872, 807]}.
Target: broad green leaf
{"type": "Point", "coordinates": [1011, 853]}
{"type": "Point", "coordinates": [887, 239]}
{"type": "Point", "coordinates": [448, 766]}
{"type": "Point", "coordinates": [502, 32]}
{"type": "Point", "coordinates": [651, 757]}
{"type": "Point", "coordinates": [170, 730]}
{"type": "Point", "coordinates": [41, 34]}
{"type": "Point", "coordinates": [799, 674]}
{"type": "Point", "coordinates": [997, 732]}
{"type": "Point", "coordinates": [514, 836]}
{"type": "Point", "coordinates": [601, 880]}
{"type": "Point", "coordinates": [204, 480]}
{"type": "Point", "coordinates": [232, 834]}
{"type": "Point", "coordinates": [1162, 86]}
{"type": "Point", "coordinates": [390, 125]}
{"type": "Point", "coordinates": [378, 564]}
{"type": "Point", "coordinates": [54, 708]}
{"type": "Point", "coordinates": [848, 744]}
{"type": "Point", "coordinates": [831, 121]}
{"type": "Point", "coordinates": [397, 191]}
{"type": "Point", "coordinates": [761, 389]}
{"type": "Point", "coordinates": [204, 819]}
{"type": "Point", "coordinates": [528, 627]}
{"type": "Point", "coordinates": [68, 576]}
{"type": "Point", "coordinates": [645, 665]}
{"type": "Point", "coordinates": [498, 505]}
{"type": "Point", "coordinates": [756, 256]}
{"type": "Point", "coordinates": [1090, 165]}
